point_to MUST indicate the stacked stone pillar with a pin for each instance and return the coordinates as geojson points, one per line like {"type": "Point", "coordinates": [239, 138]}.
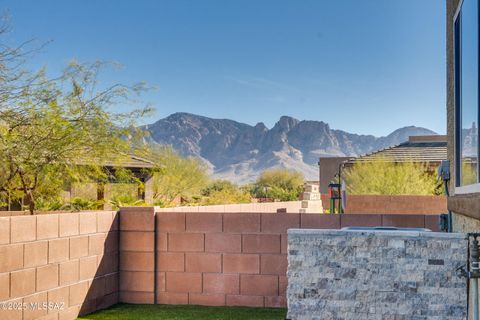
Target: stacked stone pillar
{"type": "Point", "coordinates": [311, 200]}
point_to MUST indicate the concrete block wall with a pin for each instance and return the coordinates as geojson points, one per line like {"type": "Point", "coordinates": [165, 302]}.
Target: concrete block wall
{"type": "Point", "coordinates": [232, 259]}
{"type": "Point", "coordinates": [223, 259]}
{"type": "Point", "coordinates": [137, 256]}
{"type": "Point", "coordinates": [364, 204]}
{"type": "Point", "coordinates": [85, 261]}
{"type": "Point", "coordinates": [337, 274]}
{"type": "Point", "coordinates": [57, 266]}
{"type": "Point", "coordinates": [396, 204]}
{"type": "Point", "coordinates": [392, 204]}
{"type": "Point", "coordinates": [267, 207]}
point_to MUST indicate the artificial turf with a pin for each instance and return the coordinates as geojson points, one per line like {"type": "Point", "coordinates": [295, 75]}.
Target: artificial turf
{"type": "Point", "coordinates": [185, 312]}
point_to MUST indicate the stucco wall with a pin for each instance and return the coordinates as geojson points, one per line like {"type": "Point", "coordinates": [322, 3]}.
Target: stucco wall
{"type": "Point", "coordinates": [451, 8]}
{"type": "Point", "coordinates": [328, 169]}
{"type": "Point", "coordinates": [375, 275]}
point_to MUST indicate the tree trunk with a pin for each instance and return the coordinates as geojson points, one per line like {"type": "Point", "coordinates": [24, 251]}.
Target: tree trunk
{"type": "Point", "coordinates": [31, 202]}
{"type": "Point", "coordinates": [28, 192]}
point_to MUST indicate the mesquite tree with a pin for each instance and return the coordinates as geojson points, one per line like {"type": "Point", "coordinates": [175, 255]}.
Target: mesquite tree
{"type": "Point", "coordinates": [56, 130]}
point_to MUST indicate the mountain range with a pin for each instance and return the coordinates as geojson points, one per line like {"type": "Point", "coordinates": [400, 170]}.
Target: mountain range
{"type": "Point", "coordinates": [240, 152]}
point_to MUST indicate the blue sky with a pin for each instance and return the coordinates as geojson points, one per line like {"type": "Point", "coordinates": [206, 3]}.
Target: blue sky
{"type": "Point", "coordinates": [366, 66]}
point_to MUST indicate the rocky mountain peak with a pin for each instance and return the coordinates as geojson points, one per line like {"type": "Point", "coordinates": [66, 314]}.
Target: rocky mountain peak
{"type": "Point", "coordinates": [286, 123]}
{"type": "Point", "coordinates": [261, 127]}
{"type": "Point", "coordinates": [240, 152]}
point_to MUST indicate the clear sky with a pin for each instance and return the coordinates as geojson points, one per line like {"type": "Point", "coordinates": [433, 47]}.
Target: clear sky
{"type": "Point", "coordinates": [367, 66]}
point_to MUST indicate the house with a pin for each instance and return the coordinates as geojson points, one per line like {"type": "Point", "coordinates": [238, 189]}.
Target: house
{"type": "Point", "coordinates": [139, 167]}
{"type": "Point", "coordinates": [463, 113]}
{"type": "Point", "coordinates": [429, 150]}
{"type": "Point", "coordinates": [328, 167]}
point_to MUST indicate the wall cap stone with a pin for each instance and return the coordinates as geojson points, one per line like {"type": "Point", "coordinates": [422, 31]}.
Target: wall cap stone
{"type": "Point", "coordinates": [381, 233]}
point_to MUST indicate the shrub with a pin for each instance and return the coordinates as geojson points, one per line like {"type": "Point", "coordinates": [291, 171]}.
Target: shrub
{"type": "Point", "coordinates": [385, 177]}
{"type": "Point", "coordinates": [279, 184]}
{"type": "Point", "coordinates": [78, 204]}
{"type": "Point", "coordinates": [224, 192]}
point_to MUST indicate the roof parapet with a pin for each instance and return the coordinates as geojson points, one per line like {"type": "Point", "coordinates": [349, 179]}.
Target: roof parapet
{"type": "Point", "coordinates": [430, 138]}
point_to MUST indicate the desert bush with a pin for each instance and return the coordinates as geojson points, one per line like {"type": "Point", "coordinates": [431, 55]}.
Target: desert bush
{"type": "Point", "coordinates": [79, 204]}
{"type": "Point", "coordinates": [383, 177]}
{"type": "Point", "coordinates": [224, 192]}
{"type": "Point", "coordinates": [279, 184]}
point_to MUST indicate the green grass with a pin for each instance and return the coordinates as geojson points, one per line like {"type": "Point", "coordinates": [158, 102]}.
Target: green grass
{"type": "Point", "coordinates": [177, 312]}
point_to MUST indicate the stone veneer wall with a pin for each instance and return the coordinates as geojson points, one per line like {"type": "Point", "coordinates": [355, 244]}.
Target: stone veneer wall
{"type": "Point", "coordinates": [375, 275]}
{"type": "Point", "coordinates": [67, 260]}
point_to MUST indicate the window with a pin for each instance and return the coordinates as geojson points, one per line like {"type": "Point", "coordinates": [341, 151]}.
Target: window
{"type": "Point", "coordinates": [467, 94]}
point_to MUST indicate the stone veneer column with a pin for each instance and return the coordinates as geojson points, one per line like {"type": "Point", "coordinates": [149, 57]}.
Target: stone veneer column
{"type": "Point", "coordinates": [137, 255]}
{"type": "Point", "coordinates": [338, 274]}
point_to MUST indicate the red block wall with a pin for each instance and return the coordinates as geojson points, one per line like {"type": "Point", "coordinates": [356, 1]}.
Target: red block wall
{"type": "Point", "coordinates": [368, 204]}
{"type": "Point", "coordinates": [217, 259]}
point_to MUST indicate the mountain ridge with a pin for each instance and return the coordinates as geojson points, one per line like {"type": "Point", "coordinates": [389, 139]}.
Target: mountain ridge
{"type": "Point", "coordinates": [239, 152]}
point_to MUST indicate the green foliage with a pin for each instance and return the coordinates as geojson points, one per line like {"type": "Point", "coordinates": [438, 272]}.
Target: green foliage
{"type": "Point", "coordinates": [216, 186]}
{"type": "Point", "coordinates": [126, 201]}
{"type": "Point", "coordinates": [383, 177]}
{"type": "Point", "coordinates": [58, 132]}
{"type": "Point", "coordinates": [78, 204]}
{"type": "Point", "coordinates": [224, 192]}
{"type": "Point", "coordinates": [52, 204]}
{"type": "Point", "coordinates": [159, 203]}
{"type": "Point", "coordinates": [122, 190]}
{"type": "Point", "coordinates": [176, 176]}
{"type": "Point", "coordinates": [54, 132]}
{"type": "Point", "coordinates": [279, 184]}
{"type": "Point", "coordinates": [122, 175]}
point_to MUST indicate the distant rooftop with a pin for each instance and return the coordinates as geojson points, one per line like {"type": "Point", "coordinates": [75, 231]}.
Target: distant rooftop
{"type": "Point", "coordinates": [128, 161]}
{"type": "Point", "coordinates": [131, 162]}
{"type": "Point", "coordinates": [426, 149]}
{"type": "Point", "coordinates": [431, 138]}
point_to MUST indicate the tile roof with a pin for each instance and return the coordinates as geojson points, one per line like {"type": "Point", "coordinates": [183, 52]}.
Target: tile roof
{"type": "Point", "coordinates": [131, 162]}
{"type": "Point", "coordinates": [415, 151]}
{"type": "Point", "coordinates": [125, 161]}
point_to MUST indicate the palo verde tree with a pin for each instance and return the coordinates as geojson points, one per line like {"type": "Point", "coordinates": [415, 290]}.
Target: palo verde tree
{"type": "Point", "coordinates": [176, 176]}
{"type": "Point", "coordinates": [55, 130]}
